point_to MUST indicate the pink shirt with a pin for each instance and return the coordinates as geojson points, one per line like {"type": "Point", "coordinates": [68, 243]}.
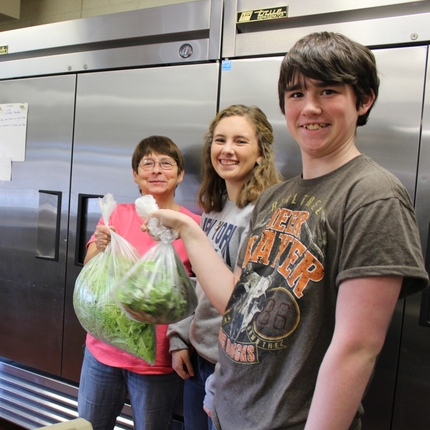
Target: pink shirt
{"type": "Point", "coordinates": [127, 223]}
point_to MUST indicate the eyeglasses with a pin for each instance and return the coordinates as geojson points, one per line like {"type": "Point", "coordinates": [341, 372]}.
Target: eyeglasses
{"type": "Point", "coordinates": [150, 164]}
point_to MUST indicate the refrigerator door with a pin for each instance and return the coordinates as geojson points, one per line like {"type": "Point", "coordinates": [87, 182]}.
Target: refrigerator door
{"type": "Point", "coordinates": [255, 82]}
{"type": "Point", "coordinates": [413, 387]}
{"type": "Point", "coordinates": [34, 208]}
{"type": "Point", "coordinates": [391, 138]}
{"type": "Point", "coordinates": [114, 111]}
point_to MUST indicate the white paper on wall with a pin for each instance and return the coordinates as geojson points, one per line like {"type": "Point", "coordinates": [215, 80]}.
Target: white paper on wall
{"type": "Point", "coordinates": [13, 136]}
{"type": "Point", "coordinates": [13, 130]}
{"type": "Point", "coordinates": [5, 168]}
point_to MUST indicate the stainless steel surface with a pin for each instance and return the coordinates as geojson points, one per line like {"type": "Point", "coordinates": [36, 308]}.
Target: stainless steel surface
{"type": "Point", "coordinates": [124, 27]}
{"type": "Point", "coordinates": [109, 82]}
{"type": "Point", "coordinates": [128, 39]}
{"type": "Point", "coordinates": [49, 225]}
{"type": "Point", "coordinates": [413, 387]}
{"type": "Point", "coordinates": [299, 8]}
{"type": "Point", "coordinates": [372, 23]}
{"type": "Point", "coordinates": [114, 111]}
{"type": "Point", "coordinates": [32, 290]}
{"type": "Point", "coordinates": [255, 82]}
{"type": "Point", "coordinates": [392, 138]}
{"type": "Point", "coordinates": [82, 130]}
{"type": "Point", "coordinates": [393, 141]}
{"type": "Point", "coordinates": [156, 53]}
{"type": "Point", "coordinates": [32, 401]}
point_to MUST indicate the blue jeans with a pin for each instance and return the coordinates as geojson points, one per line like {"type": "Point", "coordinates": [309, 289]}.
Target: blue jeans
{"type": "Point", "coordinates": [195, 418]}
{"type": "Point", "coordinates": [103, 391]}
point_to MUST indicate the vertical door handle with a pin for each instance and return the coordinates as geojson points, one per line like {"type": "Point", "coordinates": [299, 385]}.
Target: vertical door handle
{"type": "Point", "coordinates": [48, 227]}
{"type": "Point", "coordinates": [81, 227]}
{"type": "Point", "coordinates": [425, 297]}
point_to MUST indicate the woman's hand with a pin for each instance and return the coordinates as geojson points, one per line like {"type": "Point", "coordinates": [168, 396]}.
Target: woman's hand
{"type": "Point", "coordinates": [102, 236]}
{"type": "Point", "coordinates": [102, 239]}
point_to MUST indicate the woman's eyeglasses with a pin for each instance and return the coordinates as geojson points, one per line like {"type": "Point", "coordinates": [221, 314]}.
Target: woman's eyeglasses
{"type": "Point", "coordinates": [150, 164]}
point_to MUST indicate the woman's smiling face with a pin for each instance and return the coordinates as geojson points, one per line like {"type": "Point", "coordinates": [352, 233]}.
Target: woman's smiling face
{"type": "Point", "coordinates": [158, 181]}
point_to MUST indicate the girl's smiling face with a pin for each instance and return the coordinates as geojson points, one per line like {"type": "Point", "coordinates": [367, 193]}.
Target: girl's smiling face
{"type": "Point", "coordinates": [235, 149]}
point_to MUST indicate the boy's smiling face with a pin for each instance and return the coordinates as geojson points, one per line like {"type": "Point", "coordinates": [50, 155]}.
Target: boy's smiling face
{"type": "Point", "coordinates": [322, 117]}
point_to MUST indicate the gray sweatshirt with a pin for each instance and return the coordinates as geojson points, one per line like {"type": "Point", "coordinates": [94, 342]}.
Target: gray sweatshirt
{"type": "Point", "coordinates": [226, 231]}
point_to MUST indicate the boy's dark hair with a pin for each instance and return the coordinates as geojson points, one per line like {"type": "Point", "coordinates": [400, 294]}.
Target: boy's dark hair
{"type": "Point", "coordinates": [160, 145]}
{"type": "Point", "coordinates": [331, 58]}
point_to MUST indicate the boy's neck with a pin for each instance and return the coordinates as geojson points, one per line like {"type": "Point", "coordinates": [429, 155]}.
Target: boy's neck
{"type": "Point", "coordinates": [316, 167]}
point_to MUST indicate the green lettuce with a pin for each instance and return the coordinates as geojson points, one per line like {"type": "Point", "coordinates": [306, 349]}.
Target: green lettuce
{"type": "Point", "coordinates": [101, 316]}
{"type": "Point", "coordinates": [155, 291]}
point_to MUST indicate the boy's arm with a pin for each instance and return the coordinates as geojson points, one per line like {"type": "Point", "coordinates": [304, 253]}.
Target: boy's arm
{"type": "Point", "coordinates": [363, 313]}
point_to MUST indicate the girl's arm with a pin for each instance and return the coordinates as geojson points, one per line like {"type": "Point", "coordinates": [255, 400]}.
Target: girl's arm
{"type": "Point", "coordinates": [214, 276]}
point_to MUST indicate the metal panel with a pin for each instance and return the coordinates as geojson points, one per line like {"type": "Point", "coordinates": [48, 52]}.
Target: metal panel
{"type": "Point", "coordinates": [129, 56]}
{"type": "Point", "coordinates": [391, 138]}
{"type": "Point", "coordinates": [32, 290]}
{"type": "Point", "coordinates": [413, 388]}
{"type": "Point", "coordinates": [32, 400]}
{"type": "Point", "coordinates": [299, 8]}
{"type": "Point", "coordinates": [114, 111]}
{"type": "Point", "coordinates": [129, 39]}
{"type": "Point", "coordinates": [372, 23]}
{"type": "Point", "coordinates": [255, 82]}
{"type": "Point", "coordinates": [119, 28]}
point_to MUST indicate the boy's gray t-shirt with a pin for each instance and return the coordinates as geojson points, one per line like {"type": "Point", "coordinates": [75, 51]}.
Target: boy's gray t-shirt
{"type": "Point", "coordinates": [305, 238]}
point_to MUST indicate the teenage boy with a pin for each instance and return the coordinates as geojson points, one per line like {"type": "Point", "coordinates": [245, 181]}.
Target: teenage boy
{"type": "Point", "coordinates": [328, 255]}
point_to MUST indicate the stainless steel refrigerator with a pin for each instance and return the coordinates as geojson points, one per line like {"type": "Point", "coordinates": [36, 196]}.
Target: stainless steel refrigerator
{"type": "Point", "coordinates": [255, 38]}
{"type": "Point", "coordinates": [95, 88]}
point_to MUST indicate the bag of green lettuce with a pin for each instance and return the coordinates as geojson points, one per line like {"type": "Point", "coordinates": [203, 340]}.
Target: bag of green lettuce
{"type": "Point", "coordinates": [157, 289]}
{"type": "Point", "coordinates": [94, 306]}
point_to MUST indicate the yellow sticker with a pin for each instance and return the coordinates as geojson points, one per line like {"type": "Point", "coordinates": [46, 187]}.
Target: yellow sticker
{"type": "Point", "coordinates": [262, 14]}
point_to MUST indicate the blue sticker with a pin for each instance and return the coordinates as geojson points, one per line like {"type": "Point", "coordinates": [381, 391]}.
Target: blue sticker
{"type": "Point", "coordinates": [226, 65]}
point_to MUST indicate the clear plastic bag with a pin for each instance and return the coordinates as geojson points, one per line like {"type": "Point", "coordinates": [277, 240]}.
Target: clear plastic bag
{"type": "Point", "coordinates": [94, 306]}
{"type": "Point", "coordinates": [157, 289]}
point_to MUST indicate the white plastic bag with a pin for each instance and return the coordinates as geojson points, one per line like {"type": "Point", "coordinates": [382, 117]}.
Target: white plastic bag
{"type": "Point", "coordinates": [157, 289]}
{"type": "Point", "coordinates": [94, 306]}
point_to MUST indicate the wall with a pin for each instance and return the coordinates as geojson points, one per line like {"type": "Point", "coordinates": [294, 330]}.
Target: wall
{"type": "Point", "coordinates": [37, 12]}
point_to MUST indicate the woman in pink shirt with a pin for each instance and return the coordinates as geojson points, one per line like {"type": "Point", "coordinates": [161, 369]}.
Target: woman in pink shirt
{"type": "Point", "coordinates": [109, 374]}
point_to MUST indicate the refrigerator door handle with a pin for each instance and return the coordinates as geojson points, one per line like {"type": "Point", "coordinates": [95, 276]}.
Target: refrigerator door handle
{"type": "Point", "coordinates": [81, 227]}
{"type": "Point", "coordinates": [48, 227]}
{"type": "Point", "coordinates": [425, 297]}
